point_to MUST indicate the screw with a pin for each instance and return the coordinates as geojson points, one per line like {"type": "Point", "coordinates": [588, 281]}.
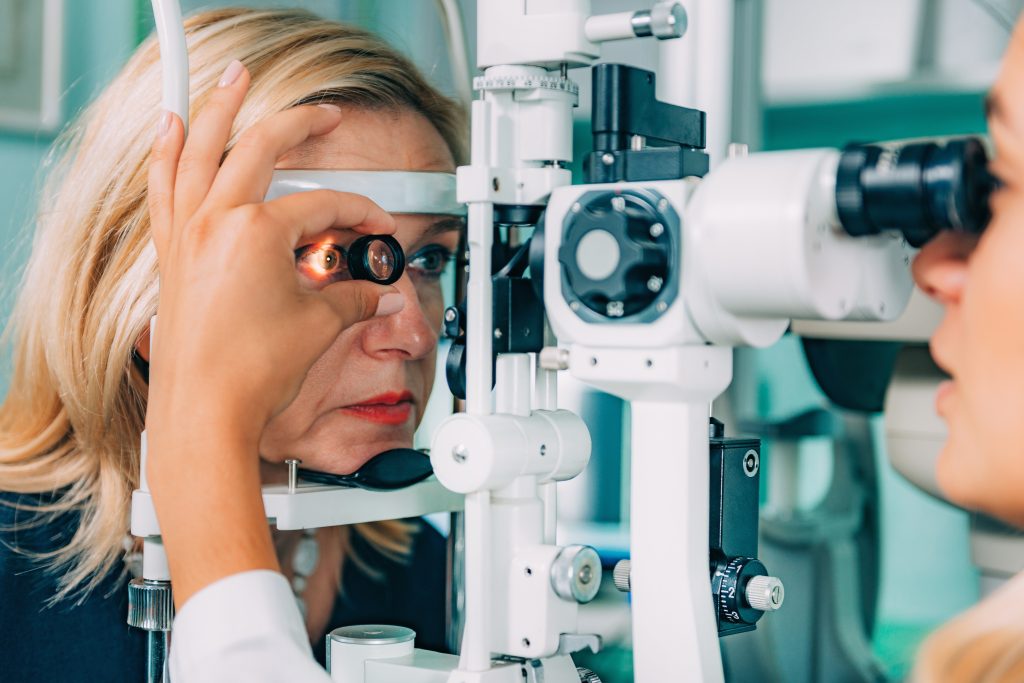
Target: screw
{"type": "Point", "coordinates": [662, 307]}
{"type": "Point", "coordinates": [751, 463]}
{"type": "Point", "coordinates": [497, 333]}
{"type": "Point", "coordinates": [293, 473]}
{"type": "Point", "coordinates": [526, 642]}
{"type": "Point", "coordinates": [495, 184]}
{"type": "Point", "coordinates": [576, 208]}
{"type": "Point", "coordinates": [593, 360]}
{"type": "Point", "coordinates": [607, 159]}
{"type": "Point", "coordinates": [649, 363]}
{"type": "Point", "coordinates": [460, 453]}
{"type": "Point", "coordinates": [449, 315]}
{"type": "Point", "coordinates": [574, 305]}
{"type": "Point", "coordinates": [529, 572]}
{"type": "Point", "coordinates": [586, 574]}
{"type": "Point", "coordinates": [662, 205]}
{"type": "Point", "coordinates": [619, 203]}
{"type": "Point", "coordinates": [657, 230]}
{"type": "Point", "coordinates": [654, 284]}
{"type": "Point", "coordinates": [615, 309]}
{"type": "Point", "coordinates": [543, 450]}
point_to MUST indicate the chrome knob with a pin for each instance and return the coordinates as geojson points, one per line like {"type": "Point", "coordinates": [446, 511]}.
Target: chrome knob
{"type": "Point", "coordinates": [765, 593]}
{"type": "Point", "coordinates": [150, 605]}
{"type": "Point", "coordinates": [576, 573]}
{"type": "Point", "coordinates": [587, 676]}
{"type": "Point", "coordinates": [620, 575]}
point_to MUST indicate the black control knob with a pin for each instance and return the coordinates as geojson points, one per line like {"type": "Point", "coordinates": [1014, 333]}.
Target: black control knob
{"type": "Point", "coordinates": [617, 253]}
{"type": "Point", "coordinates": [729, 587]}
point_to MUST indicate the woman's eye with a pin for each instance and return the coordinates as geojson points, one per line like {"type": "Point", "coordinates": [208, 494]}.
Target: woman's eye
{"type": "Point", "coordinates": [322, 262]}
{"type": "Point", "coordinates": [431, 261]}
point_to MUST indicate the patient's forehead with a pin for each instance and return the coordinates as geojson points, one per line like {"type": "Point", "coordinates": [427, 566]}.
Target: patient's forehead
{"type": "Point", "coordinates": [378, 139]}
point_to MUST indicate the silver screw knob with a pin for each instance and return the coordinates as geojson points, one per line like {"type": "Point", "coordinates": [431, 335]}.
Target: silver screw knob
{"type": "Point", "coordinates": [765, 593]}
{"type": "Point", "coordinates": [150, 605]}
{"type": "Point", "coordinates": [576, 573]}
{"type": "Point", "coordinates": [668, 20]}
{"type": "Point", "coordinates": [620, 575]}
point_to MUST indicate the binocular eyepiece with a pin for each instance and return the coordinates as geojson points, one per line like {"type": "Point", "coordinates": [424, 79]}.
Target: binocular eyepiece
{"type": "Point", "coordinates": [918, 189]}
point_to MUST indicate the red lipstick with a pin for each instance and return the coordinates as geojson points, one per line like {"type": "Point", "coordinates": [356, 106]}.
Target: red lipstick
{"type": "Point", "coordinates": [392, 408]}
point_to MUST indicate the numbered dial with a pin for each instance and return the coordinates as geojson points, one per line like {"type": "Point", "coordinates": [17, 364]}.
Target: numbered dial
{"type": "Point", "coordinates": [729, 585]}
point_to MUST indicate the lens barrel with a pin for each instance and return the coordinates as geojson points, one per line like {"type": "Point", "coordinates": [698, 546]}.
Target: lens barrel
{"type": "Point", "coordinates": [917, 189]}
{"type": "Point", "coordinates": [378, 258]}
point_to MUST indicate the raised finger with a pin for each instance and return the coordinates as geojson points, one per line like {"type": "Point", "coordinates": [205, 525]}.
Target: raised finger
{"type": "Point", "coordinates": [304, 214]}
{"type": "Point", "coordinates": [246, 173]}
{"type": "Point", "coordinates": [163, 165]}
{"type": "Point", "coordinates": [208, 136]}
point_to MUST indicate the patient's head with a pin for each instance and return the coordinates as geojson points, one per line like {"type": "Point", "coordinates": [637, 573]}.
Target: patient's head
{"type": "Point", "coordinates": [76, 403]}
{"type": "Point", "coordinates": [980, 342]}
{"type": "Point", "coordinates": [367, 393]}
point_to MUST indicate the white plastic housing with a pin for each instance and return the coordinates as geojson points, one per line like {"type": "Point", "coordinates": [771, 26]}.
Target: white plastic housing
{"type": "Point", "coordinates": [763, 228]}
{"type": "Point", "coordinates": [476, 452]}
{"type": "Point", "coordinates": [545, 33]}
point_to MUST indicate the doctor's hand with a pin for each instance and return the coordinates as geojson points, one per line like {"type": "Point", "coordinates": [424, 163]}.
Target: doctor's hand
{"type": "Point", "coordinates": [237, 329]}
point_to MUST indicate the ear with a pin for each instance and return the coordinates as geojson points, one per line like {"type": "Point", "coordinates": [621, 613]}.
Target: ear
{"type": "Point", "coordinates": [142, 344]}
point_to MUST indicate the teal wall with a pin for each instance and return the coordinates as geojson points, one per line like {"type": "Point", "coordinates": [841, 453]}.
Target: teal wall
{"type": "Point", "coordinates": [98, 37]}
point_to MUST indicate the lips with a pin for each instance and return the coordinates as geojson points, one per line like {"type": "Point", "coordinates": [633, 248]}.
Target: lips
{"type": "Point", "coordinates": [392, 408]}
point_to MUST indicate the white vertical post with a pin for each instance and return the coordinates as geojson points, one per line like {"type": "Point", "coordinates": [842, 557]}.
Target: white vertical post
{"type": "Point", "coordinates": [675, 636]}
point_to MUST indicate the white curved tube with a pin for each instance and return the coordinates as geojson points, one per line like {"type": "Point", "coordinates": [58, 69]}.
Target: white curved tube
{"type": "Point", "coordinates": [170, 32]}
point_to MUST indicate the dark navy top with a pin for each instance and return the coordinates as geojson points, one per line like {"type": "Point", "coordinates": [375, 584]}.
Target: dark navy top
{"type": "Point", "coordinates": [91, 641]}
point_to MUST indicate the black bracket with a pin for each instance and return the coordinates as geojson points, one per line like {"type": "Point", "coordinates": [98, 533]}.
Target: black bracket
{"type": "Point", "coordinates": [625, 106]}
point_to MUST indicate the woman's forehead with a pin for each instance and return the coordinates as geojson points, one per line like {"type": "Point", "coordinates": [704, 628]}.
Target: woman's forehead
{"type": "Point", "coordinates": [366, 139]}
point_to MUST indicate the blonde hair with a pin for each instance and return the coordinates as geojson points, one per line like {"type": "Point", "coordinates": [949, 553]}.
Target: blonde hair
{"type": "Point", "coordinates": [71, 420]}
{"type": "Point", "coordinates": [985, 644]}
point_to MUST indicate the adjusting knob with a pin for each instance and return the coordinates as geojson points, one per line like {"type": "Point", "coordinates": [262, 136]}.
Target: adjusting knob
{"type": "Point", "coordinates": [587, 676]}
{"type": "Point", "coordinates": [620, 575]}
{"type": "Point", "coordinates": [617, 256]}
{"type": "Point", "coordinates": [743, 590]}
{"type": "Point", "coordinates": [765, 593]}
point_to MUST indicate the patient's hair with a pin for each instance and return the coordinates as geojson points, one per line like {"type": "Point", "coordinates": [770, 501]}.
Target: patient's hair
{"type": "Point", "coordinates": [985, 644]}
{"type": "Point", "coordinates": [76, 405]}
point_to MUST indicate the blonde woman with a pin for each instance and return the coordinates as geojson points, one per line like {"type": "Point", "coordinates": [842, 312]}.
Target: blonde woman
{"type": "Point", "coordinates": [980, 343]}
{"type": "Point", "coordinates": [70, 424]}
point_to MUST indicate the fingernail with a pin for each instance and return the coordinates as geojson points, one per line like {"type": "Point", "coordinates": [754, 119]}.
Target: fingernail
{"type": "Point", "coordinates": [164, 124]}
{"type": "Point", "coordinates": [329, 107]}
{"type": "Point", "coordinates": [389, 304]}
{"type": "Point", "coordinates": [231, 74]}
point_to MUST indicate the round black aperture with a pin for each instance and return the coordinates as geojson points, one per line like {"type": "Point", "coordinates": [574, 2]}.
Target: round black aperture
{"type": "Point", "coordinates": [616, 254]}
{"type": "Point", "coordinates": [378, 258]}
{"type": "Point", "coordinates": [918, 189]}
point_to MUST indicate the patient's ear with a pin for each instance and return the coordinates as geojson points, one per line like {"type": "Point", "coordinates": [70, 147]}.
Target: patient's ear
{"type": "Point", "coordinates": [142, 344]}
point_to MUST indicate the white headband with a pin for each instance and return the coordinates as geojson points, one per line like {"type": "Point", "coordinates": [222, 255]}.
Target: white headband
{"type": "Point", "coordinates": [427, 192]}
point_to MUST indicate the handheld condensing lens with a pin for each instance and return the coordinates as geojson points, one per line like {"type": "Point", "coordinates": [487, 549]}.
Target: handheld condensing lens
{"type": "Point", "coordinates": [378, 258]}
{"type": "Point", "coordinates": [918, 189]}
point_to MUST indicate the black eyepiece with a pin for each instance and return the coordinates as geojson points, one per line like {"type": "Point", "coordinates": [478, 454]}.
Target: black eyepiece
{"type": "Point", "coordinates": [378, 258]}
{"type": "Point", "coordinates": [917, 189]}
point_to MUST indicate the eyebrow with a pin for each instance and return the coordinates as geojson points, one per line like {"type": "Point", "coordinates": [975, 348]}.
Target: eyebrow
{"type": "Point", "coordinates": [446, 224]}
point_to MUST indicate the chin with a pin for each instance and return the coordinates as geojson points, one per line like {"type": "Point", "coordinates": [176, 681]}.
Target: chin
{"type": "Point", "coordinates": [350, 457]}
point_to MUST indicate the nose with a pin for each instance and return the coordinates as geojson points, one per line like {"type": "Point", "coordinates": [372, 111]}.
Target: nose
{"type": "Point", "coordinates": [409, 334]}
{"type": "Point", "coordinates": [940, 268]}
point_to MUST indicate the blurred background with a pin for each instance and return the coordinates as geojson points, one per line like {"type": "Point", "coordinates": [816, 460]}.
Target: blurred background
{"type": "Point", "coordinates": [812, 74]}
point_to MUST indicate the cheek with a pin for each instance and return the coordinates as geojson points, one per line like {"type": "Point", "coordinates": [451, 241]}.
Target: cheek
{"type": "Point", "coordinates": [983, 463]}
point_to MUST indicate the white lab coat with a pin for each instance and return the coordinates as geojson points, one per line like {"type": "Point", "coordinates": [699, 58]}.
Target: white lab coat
{"type": "Point", "coordinates": [245, 627]}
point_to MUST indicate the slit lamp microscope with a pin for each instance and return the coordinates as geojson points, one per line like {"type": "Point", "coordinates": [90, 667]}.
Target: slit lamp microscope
{"type": "Point", "coordinates": [641, 281]}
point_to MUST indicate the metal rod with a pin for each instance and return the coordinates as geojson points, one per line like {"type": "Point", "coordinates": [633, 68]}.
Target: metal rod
{"type": "Point", "coordinates": [156, 657]}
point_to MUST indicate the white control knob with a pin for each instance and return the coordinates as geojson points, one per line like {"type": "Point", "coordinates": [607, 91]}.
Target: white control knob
{"type": "Point", "coordinates": [765, 593]}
